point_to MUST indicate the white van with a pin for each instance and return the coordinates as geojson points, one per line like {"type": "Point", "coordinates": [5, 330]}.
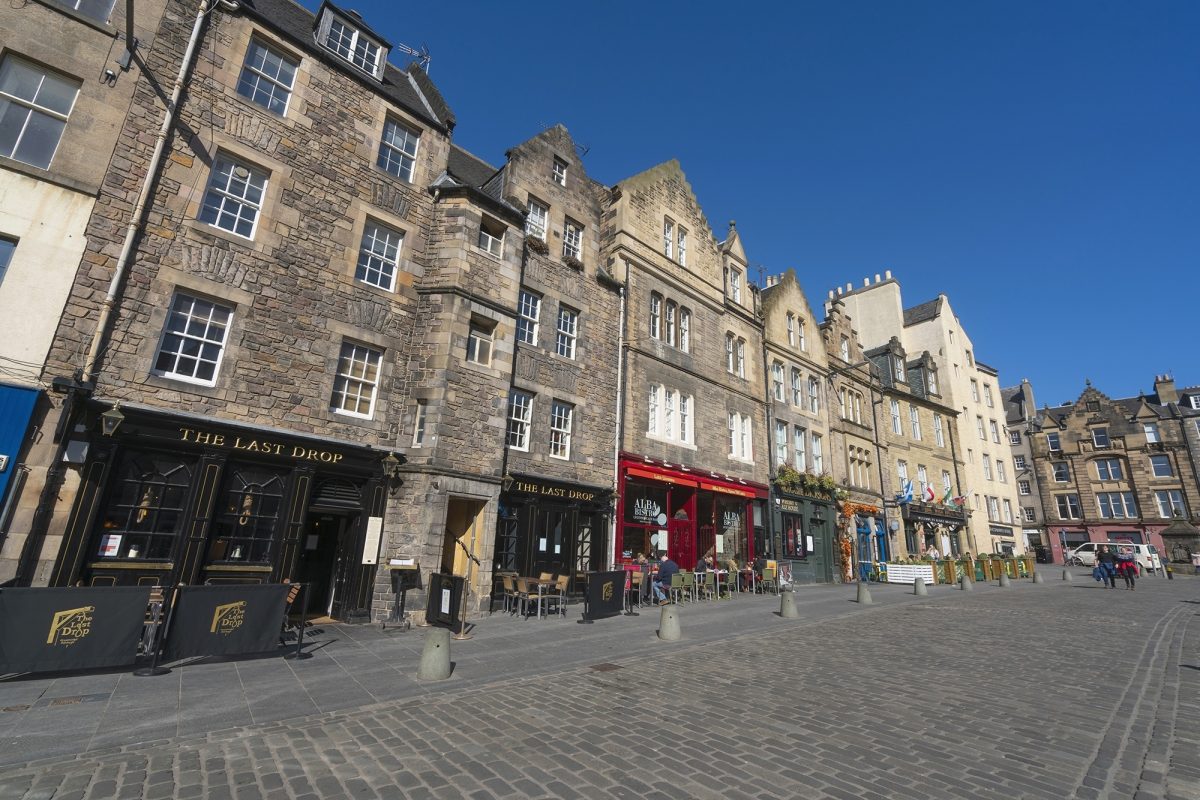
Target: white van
{"type": "Point", "coordinates": [1145, 554]}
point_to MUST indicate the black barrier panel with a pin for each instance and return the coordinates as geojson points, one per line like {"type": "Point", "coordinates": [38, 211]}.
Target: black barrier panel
{"type": "Point", "coordinates": [50, 630]}
{"type": "Point", "coordinates": [605, 594]}
{"type": "Point", "coordinates": [445, 596]}
{"type": "Point", "coordinates": [226, 620]}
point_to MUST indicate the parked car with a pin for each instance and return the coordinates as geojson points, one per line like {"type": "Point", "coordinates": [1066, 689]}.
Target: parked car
{"type": "Point", "coordinates": [1145, 554]}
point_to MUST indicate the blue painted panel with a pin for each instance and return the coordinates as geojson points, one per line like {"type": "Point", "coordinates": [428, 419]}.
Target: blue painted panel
{"type": "Point", "coordinates": [16, 406]}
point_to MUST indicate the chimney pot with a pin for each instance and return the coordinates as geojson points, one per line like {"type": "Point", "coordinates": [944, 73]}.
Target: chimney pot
{"type": "Point", "coordinates": [887, 274]}
{"type": "Point", "coordinates": [866, 281]}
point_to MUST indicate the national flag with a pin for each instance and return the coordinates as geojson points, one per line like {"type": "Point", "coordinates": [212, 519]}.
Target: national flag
{"type": "Point", "coordinates": [960, 501]}
{"type": "Point", "coordinates": [929, 496]}
{"type": "Point", "coordinates": [906, 492]}
{"type": "Point", "coordinates": [946, 498]}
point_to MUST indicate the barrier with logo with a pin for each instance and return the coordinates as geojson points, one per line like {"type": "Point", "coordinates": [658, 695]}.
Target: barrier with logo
{"type": "Point", "coordinates": [605, 595]}
{"type": "Point", "coordinates": [445, 598]}
{"type": "Point", "coordinates": [225, 620]}
{"type": "Point", "coordinates": [55, 629]}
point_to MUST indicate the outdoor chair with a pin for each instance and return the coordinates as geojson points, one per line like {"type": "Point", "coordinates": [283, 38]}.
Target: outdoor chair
{"type": "Point", "coordinates": [769, 581]}
{"type": "Point", "coordinates": [633, 590]}
{"type": "Point", "coordinates": [511, 597]}
{"type": "Point", "coordinates": [558, 595]}
{"type": "Point", "coordinates": [689, 585]}
{"type": "Point", "coordinates": [545, 576]}
{"type": "Point", "coordinates": [677, 590]}
{"type": "Point", "coordinates": [708, 586]}
{"type": "Point", "coordinates": [526, 594]}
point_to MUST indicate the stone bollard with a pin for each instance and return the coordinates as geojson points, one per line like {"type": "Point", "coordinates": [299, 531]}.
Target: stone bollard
{"type": "Point", "coordinates": [668, 623]}
{"type": "Point", "coordinates": [1067, 576]}
{"type": "Point", "coordinates": [965, 584]}
{"type": "Point", "coordinates": [1037, 577]}
{"type": "Point", "coordinates": [864, 594]}
{"type": "Point", "coordinates": [1004, 584]}
{"type": "Point", "coordinates": [787, 604]}
{"type": "Point", "coordinates": [919, 587]}
{"type": "Point", "coordinates": [435, 658]}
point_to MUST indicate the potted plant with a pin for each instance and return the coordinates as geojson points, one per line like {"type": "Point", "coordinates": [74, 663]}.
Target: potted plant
{"type": "Point", "coordinates": [537, 245]}
{"type": "Point", "coordinates": [573, 262]}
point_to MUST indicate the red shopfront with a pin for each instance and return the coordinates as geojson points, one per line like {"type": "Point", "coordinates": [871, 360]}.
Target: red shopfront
{"type": "Point", "coordinates": [679, 512]}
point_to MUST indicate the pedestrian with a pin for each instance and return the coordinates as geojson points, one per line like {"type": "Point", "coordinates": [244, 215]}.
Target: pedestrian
{"type": "Point", "coordinates": [1106, 562]}
{"type": "Point", "coordinates": [662, 581]}
{"type": "Point", "coordinates": [1127, 566]}
{"type": "Point", "coordinates": [932, 553]}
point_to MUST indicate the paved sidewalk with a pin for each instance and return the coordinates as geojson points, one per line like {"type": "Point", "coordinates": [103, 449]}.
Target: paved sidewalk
{"type": "Point", "coordinates": [1056, 691]}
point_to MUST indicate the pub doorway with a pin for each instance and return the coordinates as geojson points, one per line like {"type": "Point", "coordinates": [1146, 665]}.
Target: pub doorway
{"type": "Point", "coordinates": [463, 518]}
{"type": "Point", "coordinates": [325, 563]}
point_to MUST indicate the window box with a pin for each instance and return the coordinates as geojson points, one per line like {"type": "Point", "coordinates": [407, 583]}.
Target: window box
{"type": "Point", "coordinates": [572, 262]}
{"type": "Point", "coordinates": [537, 245]}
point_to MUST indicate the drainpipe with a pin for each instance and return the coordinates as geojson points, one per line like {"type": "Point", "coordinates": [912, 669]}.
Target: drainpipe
{"type": "Point", "coordinates": [619, 422]}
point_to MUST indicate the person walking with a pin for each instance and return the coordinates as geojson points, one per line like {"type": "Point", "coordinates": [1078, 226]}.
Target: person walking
{"type": "Point", "coordinates": [1106, 562]}
{"type": "Point", "coordinates": [1127, 566]}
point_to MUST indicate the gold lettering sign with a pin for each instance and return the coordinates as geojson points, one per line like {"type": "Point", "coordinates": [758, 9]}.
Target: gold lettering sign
{"type": "Point", "coordinates": [553, 491]}
{"type": "Point", "coordinates": [249, 444]}
{"type": "Point", "coordinates": [228, 618]}
{"type": "Point", "coordinates": [69, 626]}
{"type": "Point", "coordinates": [606, 591]}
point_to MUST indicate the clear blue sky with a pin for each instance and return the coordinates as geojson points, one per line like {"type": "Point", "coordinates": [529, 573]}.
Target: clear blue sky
{"type": "Point", "coordinates": [1036, 161]}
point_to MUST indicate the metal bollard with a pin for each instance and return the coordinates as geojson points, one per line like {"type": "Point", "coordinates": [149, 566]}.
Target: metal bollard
{"type": "Point", "coordinates": [1067, 576]}
{"type": "Point", "coordinates": [787, 604]}
{"type": "Point", "coordinates": [919, 587]}
{"type": "Point", "coordinates": [1037, 577]}
{"type": "Point", "coordinates": [864, 594]}
{"type": "Point", "coordinates": [668, 623]}
{"type": "Point", "coordinates": [1004, 584]}
{"type": "Point", "coordinates": [435, 658]}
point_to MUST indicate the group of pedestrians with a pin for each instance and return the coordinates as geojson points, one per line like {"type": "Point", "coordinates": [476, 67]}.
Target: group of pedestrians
{"type": "Point", "coordinates": [1110, 564]}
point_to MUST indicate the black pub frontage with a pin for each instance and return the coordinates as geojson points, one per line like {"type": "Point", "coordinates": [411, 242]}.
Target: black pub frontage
{"type": "Point", "coordinates": [550, 526]}
{"type": "Point", "coordinates": [931, 525]}
{"type": "Point", "coordinates": [167, 498]}
{"type": "Point", "coordinates": [804, 526]}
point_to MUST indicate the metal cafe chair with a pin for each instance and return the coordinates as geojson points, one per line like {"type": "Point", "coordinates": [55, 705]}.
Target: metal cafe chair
{"type": "Point", "coordinates": [633, 590]}
{"type": "Point", "coordinates": [558, 593]}
{"type": "Point", "coordinates": [689, 584]}
{"type": "Point", "coordinates": [676, 591]}
{"type": "Point", "coordinates": [525, 595]}
{"type": "Point", "coordinates": [769, 581]}
{"type": "Point", "coordinates": [708, 586]}
{"type": "Point", "coordinates": [511, 596]}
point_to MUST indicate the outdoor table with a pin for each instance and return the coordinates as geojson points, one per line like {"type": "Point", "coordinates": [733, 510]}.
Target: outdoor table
{"type": "Point", "coordinates": [541, 585]}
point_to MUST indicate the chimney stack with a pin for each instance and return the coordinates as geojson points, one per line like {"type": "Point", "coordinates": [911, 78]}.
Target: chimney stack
{"type": "Point", "coordinates": [1164, 387]}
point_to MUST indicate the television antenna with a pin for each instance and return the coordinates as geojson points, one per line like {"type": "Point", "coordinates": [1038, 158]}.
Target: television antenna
{"type": "Point", "coordinates": [422, 56]}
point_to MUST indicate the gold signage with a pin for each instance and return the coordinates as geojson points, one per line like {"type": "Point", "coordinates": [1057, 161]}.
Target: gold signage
{"type": "Point", "coordinates": [606, 591]}
{"type": "Point", "coordinates": [789, 505]}
{"type": "Point", "coordinates": [553, 491]}
{"type": "Point", "coordinates": [69, 626]}
{"type": "Point", "coordinates": [252, 445]}
{"type": "Point", "coordinates": [228, 618]}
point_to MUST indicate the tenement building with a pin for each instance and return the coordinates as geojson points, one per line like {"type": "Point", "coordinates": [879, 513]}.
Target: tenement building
{"type": "Point", "coordinates": [1120, 469]}
{"type": "Point", "coordinates": [1020, 411]}
{"type": "Point", "coordinates": [690, 477]}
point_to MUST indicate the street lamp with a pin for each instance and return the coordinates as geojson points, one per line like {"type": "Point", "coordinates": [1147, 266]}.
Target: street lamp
{"type": "Point", "coordinates": [111, 420]}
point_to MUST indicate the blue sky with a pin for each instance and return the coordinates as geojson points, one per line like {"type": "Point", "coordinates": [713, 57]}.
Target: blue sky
{"type": "Point", "coordinates": [1035, 161]}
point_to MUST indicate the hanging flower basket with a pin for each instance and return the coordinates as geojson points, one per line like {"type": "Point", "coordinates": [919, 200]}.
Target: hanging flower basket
{"type": "Point", "coordinates": [537, 245]}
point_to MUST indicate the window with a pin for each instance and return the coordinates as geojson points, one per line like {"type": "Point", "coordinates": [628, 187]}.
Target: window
{"type": "Point", "coordinates": [800, 334]}
{"type": "Point", "coordinates": [99, 10]}
{"type": "Point", "coordinates": [568, 328]}
{"type": "Point", "coordinates": [668, 407]}
{"type": "Point", "coordinates": [1108, 469]}
{"type": "Point", "coordinates": [729, 363]}
{"type": "Point", "coordinates": [922, 478]}
{"type": "Point", "coordinates": [974, 390]}
{"type": "Point", "coordinates": [491, 236]}
{"type": "Point", "coordinates": [672, 313]}
{"type": "Point", "coordinates": [781, 437]}
{"type": "Point", "coordinates": [777, 381]}
{"type": "Point", "coordinates": [1060, 471]}
{"type": "Point", "coordinates": [797, 388]}
{"type": "Point", "coordinates": [652, 410]}
{"type": "Point", "coordinates": [685, 419]}
{"type": "Point", "coordinates": [1116, 505]}
{"type": "Point", "coordinates": [418, 439]}
{"type": "Point", "coordinates": [993, 507]}
{"type": "Point", "coordinates": [572, 240]}
{"type": "Point", "coordinates": [1052, 442]}
{"type": "Point", "coordinates": [1170, 503]}
{"type": "Point", "coordinates": [979, 428]}
{"type": "Point", "coordinates": [814, 397]}
{"type": "Point", "coordinates": [1161, 466]}
{"type": "Point", "coordinates": [356, 381]}
{"type": "Point", "coordinates": [682, 241]}
{"type": "Point", "coordinates": [1151, 429]}
{"type": "Point", "coordinates": [818, 459]}
{"type": "Point", "coordinates": [987, 396]}
{"type": "Point", "coordinates": [902, 472]}
{"type": "Point", "coordinates": [946, 484]}
{"type": "Point", "coordinates": [856, 401]}
{"type": "Point", "coordinates": [987, 466]}
{"type": "Point", "coordinates": [1000, 473]}
{"type": "Point", "coordinates": [527, 320]}
{"type": "Point", "coordinates": [842, 412]}
{"type": "Point", "coordinates": [799, 451]}
{"type": "Point", "coordinates": [1029, 514]}
{"type": "Point", "coordinates": [1014, 437]}
{"type": "Point", "coordinates": [193, 340]}
{"type": "Point", "coordinates": [741, 358]}
{"type": "Point", "coordinates": [537, 220]}
{"type": "Point", "coordinates": [668, 238]}
{"type": "Point", "coordinates": [1008, 517]}
{"type": "Point", "coordinates": [931, 380]}
{"type": "Point", "coordinates": [559, 171]}
{"type": "Point", "coordinates": [146, 508]}
{"type": "Point", "coordinates": [520, 412]}
{"type": "Point", "coordinates": [234, 197]}
{"type": "Point", "coordinates": [1023, 487]}
{"type": "Point", "coordinates": [739, 437]}
{"type": "Point", "coordinates": [995, 430]}
{"type": "Point", "coordinates": [970, 359]}
{"type": "Point", "coordinates": [398, 150]}
{"type": "Point", "coordinates": [791, 329]}
{"type": "Point", "coordinates": [353, 46]}
{"type": "Point", "coordinates": [1100, 437]}
{"type": "Point", "coordinates": [34, 106]}
{"type": "Point", "coordinates": [735, 285]}
{"type": "Point", "coordinates": [747, 439]}
{"type": "Point", "coordinates": [561, 415]}
{"type": "Point", "coordinates": [379, 256]}
{"type": "Point", "coordinates": [898, 367]}
{"type": "Point", "coordinates": [844, 348]}
{"type": "Point", "coordinates": [479, 344]}
{"type": "Point", "coordinates": [685, 330]}
{"type": "Point", "coordinates": [938, 435]}
{"type": "Point", "coordinates": [970, 456]}
{"type": "Point", "coordinates": [914, 420]}
{"type": "Point", "coordinates": [7, 247]}
{"type": "Point", "coordinates": [670, 415]}
{"type": "Point", "coordinates": [267, 77]}
{"type": "Point", "coordinates": [656, 303]}
{"type": "Point", "coordinates": [1019, 462]}
{"type": "Point", "coordinates": [896, 428]}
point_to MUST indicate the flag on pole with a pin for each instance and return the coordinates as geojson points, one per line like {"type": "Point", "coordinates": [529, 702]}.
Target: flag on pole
{"type": "Point", "coordinates": [960, 501]}
{"type": "Point", "coordinates": [929, 496]}
{"type": "Point", "coordinates": [906, 492]}
{"type": "Point", "coordinates": [946, 498]}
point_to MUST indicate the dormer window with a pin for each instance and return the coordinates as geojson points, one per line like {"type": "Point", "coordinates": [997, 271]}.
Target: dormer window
{"type": "Point", "coordinates": [342, 37]}
{"type": "Point", "coordinates": [735, 285]}
{"type": "Point", "coordinates": [931, 379]}
{"type": "Point", "coordinates": [560, 171]}
{"type": "Point", "coordinates": [898, 367]}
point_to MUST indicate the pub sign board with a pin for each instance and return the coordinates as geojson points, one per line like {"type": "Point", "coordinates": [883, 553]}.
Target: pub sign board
{"type": "Point", "coordinates": [605, 594]}
{"type": "Point", "coordinates": [228, 620]}
{"type": "Point", "coordinates": [70, 628]}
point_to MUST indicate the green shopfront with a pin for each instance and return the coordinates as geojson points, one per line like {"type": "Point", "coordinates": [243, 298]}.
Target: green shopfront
{"type": "Point", "coordinates": [804, 531]}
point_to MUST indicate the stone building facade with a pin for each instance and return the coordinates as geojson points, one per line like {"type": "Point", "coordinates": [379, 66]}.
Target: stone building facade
{"type": "Point", "coordinates": [1020, 410]}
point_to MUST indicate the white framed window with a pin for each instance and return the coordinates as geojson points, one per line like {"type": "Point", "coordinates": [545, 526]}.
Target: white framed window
{"type": "Point", "coordinates": [1001, 475]}
{"type": "Point", "coordinates": [781, 443]}
{"type": "Point", "coordinates": [686, 432]}
{"type": "Point", "coordinates": [357, 380]}
{"type": "Point", "coordinates": [1019, 462]}
{"type": "Point", "coordinates": [856, 402]}
{"type": "Point", "coordinates": [987, 396]}
{"type": "Point", "coordinates": [234, 196]}
{"type": "Point", "coordinates": [735, 422]}
{"type": "Point", "coordinates": [479, 344]}
{"type": "Point", "coordinates": [529, 313]}
{"type": "Point", "coordinates": [938, 435]}
{"type": "Point", "coordinates": [931, 381]}
{"type": "Point", "coordinates": [1100, 437]}
{"type": "Point", "coordinates": [791, 329]}
{"type": "Point", "coordinates": [914, 419]}
{"type": "Point", "coordinates": [974, 390]}
{"type": "Point", "coordinates": [568, 329]}
{"type": "Point", "coordinates": [993, 507]}
{"type": "Point", "coordinates": [1014, 437]}
{"type": "Point", "coordinates": [1151, 430]}
{"type": "Point", "coordinates": [682, 242]}
{"type": "Point", "coordinates": [491, 236]}
{"type": "Point", "coordinates": [670, 319]}
{"type": "Point", "coordinates": [353, 46]}
{"type": "Point", "coordinates": [267, 77]}
{"type": "Point", "coordinates": [970, 456]}
{"type": "Point", "coordinates": [729, 362]}
{"type": "Point", "coordinates": [1052, 441]}
{"type": "Point", "coordinates": [1116, 505]}
{"type": "Point", "coordinates": [572, 240]}
{"type": "Point", "coordinates": [1161, 466]}
{"type": "Point", "coordinates": [520, 414]}
{"type": "Point", "coordinates": [379, 256]}
{"type": "Point", "coordinates": [844, 348]}
{"type": "Point", "coordinates": [902, 472]}
{"type": "Point", "coordinates": [99, 10]}
{"type": "Point", "coordinates": [685, 330]}
{"type": "Point", "coordinates": [818, 457]}
{"type": "Point", "coordinates": [418, 439]}
{"type": "Point", "coordinates": [895, 409]}
{"type": "Point", "coordinates": [922, 478]}
{"type": "Point", "coordinates": [1068, 506]}
{"type": "Point", "coordinates": [842, 405]}
{"type": "Point", "coordinates": [670, 415]}
{"type": "Point", "coordinates": [398, 150]}
{"type": "Point", "coordinates": [747, 439]}
{"type": "Point", "coordinates": [559, 171]}
{"type": "Point", "coordinates": [656, 304]}
{"type": "Point", "coordinates": [34, 106]}
{"type": "Point", "coordinates": [7, 248]}
{"type": "Point", "coordinates": [652, 396]}
{"type": "Point", "coordinates": [561, 416]}
{"type": "Point", "coordinates": [1029, 513]}
{"type": "Point", "coordinates": [946, 484]}
{"type": "Point", "coordinates": [537, 220]}
{"type": "Point", "coordinates": [741, 358]}
{"type": "Point", "coordinates": [1170, 503]}
{"type": "Point", "coordinates": [740, 440]}
{"type": "Point", "coordinates": [668, 238]}
{"type": "Point", "coordinates": [800, 334]}
{"type": "Point", "coordinates": [995, 430]}
{"type": "Point", "coordinates": [193, 340]}
{"type": "Point", "coordinates": [898, 368]}
{"type": "Point", "coordinates": [987, 466]}
{"type": "Point", "coordinates": [777, 381]}
{"type": "Point", "coordinates": [1109, 469]}
{"type": "Point", "coordinates": [814, 398]}
{"type": "Point", "coordinates": [735, 285]}
{"type": "Point", "coordinates": [668, 407]}
{"type": "Point", "coordinates": [799, 450]}
{"type": "Point", "coordinates": [1023, 487]}
{"type": "Point", "coordinates": [1060, 471]}
{"type": "Point", "coordinates": [1008, 515]}
{"type": "Point", "coordinates": [797, 388]}
{"type": "Point", "coordinates": [979, 428]}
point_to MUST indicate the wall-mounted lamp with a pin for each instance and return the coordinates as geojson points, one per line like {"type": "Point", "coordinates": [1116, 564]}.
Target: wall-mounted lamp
{"type": "Point", "coordinates": [391, 470]}
{"type": "Point", "coordinates": [111, 420]}
{"type": "Point", "coordinates": [506, 482]}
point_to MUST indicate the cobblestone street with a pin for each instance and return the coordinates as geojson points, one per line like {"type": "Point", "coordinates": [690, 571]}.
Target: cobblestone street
{"type": "Point", "coordinates": [912, 697]}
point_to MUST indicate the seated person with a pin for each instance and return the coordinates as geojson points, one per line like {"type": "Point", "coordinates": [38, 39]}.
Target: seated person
{"type": "Point", "coordinates": [662, 581]}
{"type": "Point", "coordinates": [702, 564]}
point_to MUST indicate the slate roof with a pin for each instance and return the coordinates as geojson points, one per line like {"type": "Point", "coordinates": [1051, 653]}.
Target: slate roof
{"type": "Point", "coordinates": [468, 167]}
{"type": "Point", "coordinates": [923, 312]}
{"type": "Point", "coordinates": [409, 88]}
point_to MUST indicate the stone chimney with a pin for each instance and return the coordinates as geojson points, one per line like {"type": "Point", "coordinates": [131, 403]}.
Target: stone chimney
{"type": "Point", "coordinates": [1164, 387]}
